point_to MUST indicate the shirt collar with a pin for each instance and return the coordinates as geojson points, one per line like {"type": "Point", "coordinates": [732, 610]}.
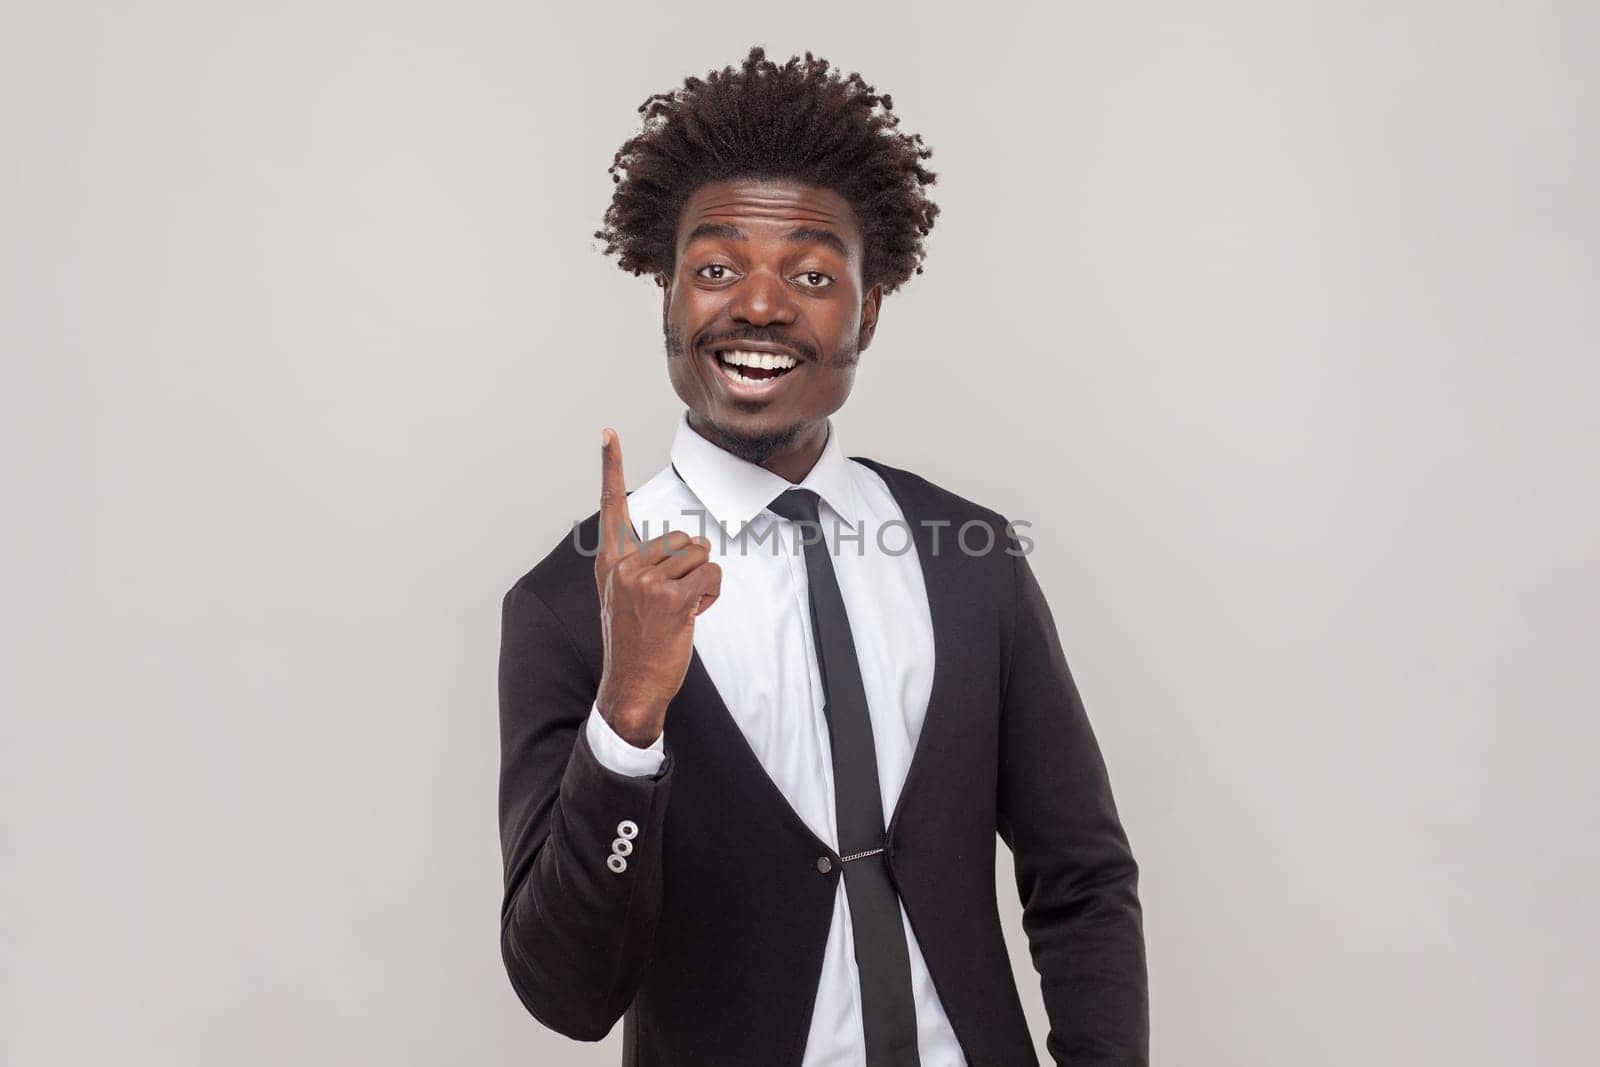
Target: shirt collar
{"type": "Point", "coordinates": [735, 491]}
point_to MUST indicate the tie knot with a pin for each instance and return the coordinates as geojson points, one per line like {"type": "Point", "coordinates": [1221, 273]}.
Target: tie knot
{"type": "Point", "coordinates": [797, 504]}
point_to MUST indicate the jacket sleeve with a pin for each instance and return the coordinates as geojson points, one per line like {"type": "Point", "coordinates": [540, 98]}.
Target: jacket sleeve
{"type": "Point", "coordinates": [581, 843]}
{"type": "Point", "coordinates": [1075, 872]}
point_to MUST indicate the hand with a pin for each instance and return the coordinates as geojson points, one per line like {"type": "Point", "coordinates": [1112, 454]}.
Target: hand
{"type": "Point", "coordinates": [650, 595]}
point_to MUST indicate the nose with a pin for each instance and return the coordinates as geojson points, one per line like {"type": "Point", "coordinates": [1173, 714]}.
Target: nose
{"type": "Point", "coordinates": [762, 299]}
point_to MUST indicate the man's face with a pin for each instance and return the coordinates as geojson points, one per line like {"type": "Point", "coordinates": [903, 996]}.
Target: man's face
{"type": "Point", "coordinates": [764, 313]}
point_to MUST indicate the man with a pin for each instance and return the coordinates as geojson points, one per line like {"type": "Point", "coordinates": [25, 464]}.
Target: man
{"type": "Point", "coordinates": [751, 780]}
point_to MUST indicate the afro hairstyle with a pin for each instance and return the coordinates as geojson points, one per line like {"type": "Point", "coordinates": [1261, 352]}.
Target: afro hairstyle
{"type": "Point", "coordinates": [800, 120]}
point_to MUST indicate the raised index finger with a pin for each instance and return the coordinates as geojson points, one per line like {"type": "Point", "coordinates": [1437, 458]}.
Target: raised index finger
{"type": "Point", "coordinates": [616, 528]}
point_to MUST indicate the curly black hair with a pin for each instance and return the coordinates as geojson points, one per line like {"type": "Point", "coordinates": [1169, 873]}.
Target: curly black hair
{"type": "Point", "coordinates": [800, 120]}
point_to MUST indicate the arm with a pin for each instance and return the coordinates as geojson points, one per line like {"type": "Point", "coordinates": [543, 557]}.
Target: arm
{"type": "Point", "coordinates": [575, 934]}
{"type": "Point", "coordinates": [1075, 872]}
{"type": "Point", "coordinates": [582, 802]}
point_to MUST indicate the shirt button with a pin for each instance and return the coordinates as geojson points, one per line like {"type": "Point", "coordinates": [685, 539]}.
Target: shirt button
{"type": "Point", "coordinates": [824, 865]}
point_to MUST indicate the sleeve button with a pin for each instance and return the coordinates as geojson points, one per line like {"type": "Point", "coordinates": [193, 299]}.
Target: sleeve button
{"type": "Point", "coordinates": [616, 863]}
{"type": "Point", "coordinates": [622, 846]}
{"type": "Point", "coordinates": [627, 829]}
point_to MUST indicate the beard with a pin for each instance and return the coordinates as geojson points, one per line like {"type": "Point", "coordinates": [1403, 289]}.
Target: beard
{"type": "Point", "coordinates": [754, 448]}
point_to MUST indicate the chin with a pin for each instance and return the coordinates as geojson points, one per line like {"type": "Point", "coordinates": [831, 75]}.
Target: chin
{"type": "Point", "coordinates": [755, 445]}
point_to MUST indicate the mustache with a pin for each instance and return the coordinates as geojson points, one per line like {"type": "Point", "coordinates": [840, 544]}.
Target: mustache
{"type": "Point", "coordinates": [769, 336]}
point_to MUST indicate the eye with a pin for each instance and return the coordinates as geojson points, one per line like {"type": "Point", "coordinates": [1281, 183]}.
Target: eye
{"type": "Point", "coordinates": [815, 279]}
{"type": "Point", "coordinates": [714, 271]}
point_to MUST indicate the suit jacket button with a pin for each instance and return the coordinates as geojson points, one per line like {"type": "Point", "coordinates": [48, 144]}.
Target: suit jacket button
{"type": "Point", "coordinates": [824, 865]}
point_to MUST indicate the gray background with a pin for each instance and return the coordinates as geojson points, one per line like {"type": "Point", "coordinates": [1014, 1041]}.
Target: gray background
{"type": "Point", "coordinates": [1276, 319]}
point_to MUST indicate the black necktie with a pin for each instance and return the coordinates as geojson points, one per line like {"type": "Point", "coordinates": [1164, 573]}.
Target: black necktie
{"type": "Point", "coordinates": [889, 1014]}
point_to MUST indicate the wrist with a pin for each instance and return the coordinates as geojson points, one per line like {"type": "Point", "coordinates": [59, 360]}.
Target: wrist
{"type": "Point", "coordinates": [637, 723]}
{"type": "Point", "coordinates": [641, 738]}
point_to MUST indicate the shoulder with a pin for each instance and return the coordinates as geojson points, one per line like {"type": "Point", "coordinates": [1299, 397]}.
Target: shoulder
{"type": "Point", "coordinates": [562, 581]}
{"type": "Point", "coordinates": [968, 545]}
{"type": "Point", "coordinates": [926, 499]}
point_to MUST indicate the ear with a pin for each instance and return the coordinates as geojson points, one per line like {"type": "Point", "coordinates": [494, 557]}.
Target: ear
{"type": "Point", "coordinates": [869, 316]}
{"type": "Point", "coordinates": [666, 297]}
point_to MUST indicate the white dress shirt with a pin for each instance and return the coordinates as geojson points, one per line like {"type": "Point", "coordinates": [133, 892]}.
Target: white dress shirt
{"type": "Point", "coordinates": [756, 645]}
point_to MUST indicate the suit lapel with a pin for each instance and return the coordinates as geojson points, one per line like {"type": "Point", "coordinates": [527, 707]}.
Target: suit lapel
{"type": "Point", "coordinates": [701, 696]}
{"type": "Point", "coordinates": [939, 578]}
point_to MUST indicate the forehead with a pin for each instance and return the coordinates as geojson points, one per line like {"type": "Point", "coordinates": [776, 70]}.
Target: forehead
{"type": "Point", "coordinates": [769, 207]}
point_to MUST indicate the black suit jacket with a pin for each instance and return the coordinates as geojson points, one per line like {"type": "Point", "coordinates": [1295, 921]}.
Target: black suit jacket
{"type": "Point", "coordinates": [709, 945]}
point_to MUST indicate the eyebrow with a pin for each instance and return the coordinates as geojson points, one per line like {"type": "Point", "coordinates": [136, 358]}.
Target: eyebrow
{"type": "Point", "coordinates": [801, 235]}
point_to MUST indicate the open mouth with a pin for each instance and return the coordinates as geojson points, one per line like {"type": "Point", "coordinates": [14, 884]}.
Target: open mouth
{"type": "Point", "coordinates": [748, 368]}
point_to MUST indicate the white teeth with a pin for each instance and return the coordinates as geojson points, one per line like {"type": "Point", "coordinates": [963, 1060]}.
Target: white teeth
{"type": "Point", "coordinates": [763, 360]}
{"type": "Point", "coordinates": [742, 380]}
